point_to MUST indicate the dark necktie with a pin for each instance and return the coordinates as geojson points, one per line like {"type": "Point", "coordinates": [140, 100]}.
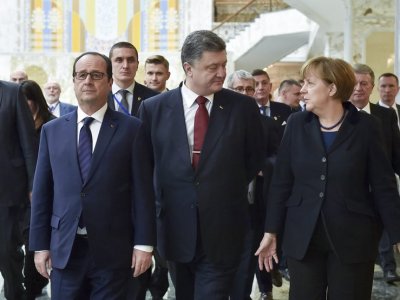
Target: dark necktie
{"type": "Point", "coordinates": [200, 129]}
{"type": "Point", "coordinates": [124, 101]}
{"type": "Point", "coordinates": [264, 110]}
{"type": "Point", "coordinates": [85, 147]}
{"type": "Point", "coordinates": [85, 154]}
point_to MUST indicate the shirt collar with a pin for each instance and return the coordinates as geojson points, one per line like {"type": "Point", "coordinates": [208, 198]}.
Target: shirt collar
{"type": "Point", "coordinates": [115, 88]}
{"type": "Point", "coordinates": [387, 106]}
{"type": "Point", "coordinates": [189, 97]}
{"type": "Point", "coordinates": [366, 108]}
{"type": "Point", "coordinates": [98, 115]}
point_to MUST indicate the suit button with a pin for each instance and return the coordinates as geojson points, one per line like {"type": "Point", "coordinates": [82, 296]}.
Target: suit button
{"type": "Point", "coordinates": [321, 195]}
{"type": "Point", "coordinates": [322, 177]}
{"type": "Point", "coordinates": [83, 195]}
{"type": "Point", "coordinates": [323, 159]}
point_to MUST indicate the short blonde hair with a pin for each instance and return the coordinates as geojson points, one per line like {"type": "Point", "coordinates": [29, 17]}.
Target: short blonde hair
{"type": "Point", "coordinates": [332, 70]}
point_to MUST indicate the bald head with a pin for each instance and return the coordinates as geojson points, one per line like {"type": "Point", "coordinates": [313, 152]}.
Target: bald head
{"type": "Point", "coordinates": [18, 76]}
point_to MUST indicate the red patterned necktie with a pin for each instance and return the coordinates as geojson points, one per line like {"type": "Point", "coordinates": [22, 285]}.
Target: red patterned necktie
{"type": "Point", "coordinates": [200, 129]}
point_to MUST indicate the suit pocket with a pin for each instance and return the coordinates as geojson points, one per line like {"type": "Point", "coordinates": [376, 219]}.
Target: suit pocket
{"type": "Point", "coordinates": [55, 221]}
{"type": "Point", "coordinates": [360, 207]}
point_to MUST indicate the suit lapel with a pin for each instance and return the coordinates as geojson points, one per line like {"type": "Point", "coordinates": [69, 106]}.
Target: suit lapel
{"type": "Point", "coordinates": [314, 133]}
{"type": "Point", "coordinates": [175, 115]}
{"type": "Point", "coordinates": [107, 130]}
{"type": "Point", "coordinates": [110, 101]}
{"type": "Point", "coordinates": [71, 146]}
{"type": "Point", "coordinates": [219, 115]}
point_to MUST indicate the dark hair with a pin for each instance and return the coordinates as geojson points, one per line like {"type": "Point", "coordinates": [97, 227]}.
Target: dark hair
{"type": "Point", "coordinates": [198, 42]}
{"type": "Point", "coordinates": [332, 70]}
{"type": "Point", "coordinates": [288, 83]}
{"type": "Point", "coordinates": [33, 92]}
{"type": "Point", "coordinates": [106, 59]}
{"type": "Point", "coordinates": [157, 60]}
{"type": "Point", "coordinates": [258, 72]}
{"type": "Point", "coordinates": [123, 45]}
{"type": "Point", "coordinates": [390, 75]}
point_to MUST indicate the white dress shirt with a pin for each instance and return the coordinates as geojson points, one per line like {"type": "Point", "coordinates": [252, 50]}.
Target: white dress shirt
{"type": "Point", "coordinates": [55, 109]}
{"type": "Point", "coordinates": [189, 108]}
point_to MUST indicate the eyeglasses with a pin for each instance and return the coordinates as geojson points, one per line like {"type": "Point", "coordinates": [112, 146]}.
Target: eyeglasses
{"type": "Point", "coordinates": [241, 89]}
{"type": "Point", "coordinates": [93, 75]}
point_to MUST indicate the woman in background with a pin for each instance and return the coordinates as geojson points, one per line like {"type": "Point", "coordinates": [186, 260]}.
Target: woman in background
{"type": "Point", "coordinates": [34, 282]}
{"type": "Point", "coordinates": [333, 187]}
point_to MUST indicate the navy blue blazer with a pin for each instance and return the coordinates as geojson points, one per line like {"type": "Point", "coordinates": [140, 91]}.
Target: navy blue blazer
{"type": "Point", "coordinates": [117, 199]}
{"type": "Point", "coordinates": [18, 146]}
{"type": "Point", "coordinates": [353, 189]}
{"type": "Point", "coordinates": [280, 113]}
{"type": "Point", "coordinates": [214, 197]}
{"type": "Point", "coordinates": [66, 108]}
{"type": "Point", "coordinates": [140, 92]}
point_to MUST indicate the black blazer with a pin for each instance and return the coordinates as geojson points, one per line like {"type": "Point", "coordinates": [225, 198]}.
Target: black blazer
{"type": "Point", "coordinates": [214, 197]}
{"type": "Point", "coordinates": [309, 181]}
{"type": "Point", "coordinates": [391, 134]}
{"type": "Point", "coordinates": [18, 146]}
{"type": "Point", "coordinates": [140, 92]}
{"type": "Point", "coordinates": [280, 113]}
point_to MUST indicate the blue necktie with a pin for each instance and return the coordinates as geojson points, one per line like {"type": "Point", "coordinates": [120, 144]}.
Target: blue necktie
{"type": "Point", "coordinates": [85, 147]}
{"type": "Point", "coordinates": [85, 153]}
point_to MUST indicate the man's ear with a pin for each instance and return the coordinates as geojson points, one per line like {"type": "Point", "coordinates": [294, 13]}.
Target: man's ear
{"type": "Point", "coordinates": [188, 68]}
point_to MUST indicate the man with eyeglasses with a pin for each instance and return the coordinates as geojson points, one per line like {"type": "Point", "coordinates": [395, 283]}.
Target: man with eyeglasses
{"type": "Point", "coordinates": [243, 82]}
{"type": "Point", "coordinates": [126, 94]}
{"type": "Point", "coordinates": [93, 215]}
{"type": "Point", "coordinates": [52, 92]}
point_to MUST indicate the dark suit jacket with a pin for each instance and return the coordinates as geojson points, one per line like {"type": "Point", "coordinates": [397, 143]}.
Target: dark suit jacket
{"type": "Point", "coordinates": [308, 181]}
{"type": "Point", "coordinates": [117, 199]}
{"type": "Point", "coordinates": [140, 92]}
{"type": "Point", "coordinates": [18, 146]}
{"type": "Point", "coordinates": [215, 195]}
{"type": "Point", "coordinates": [391, 134]}
{"type": "Point", "coordinates": [280, 113]}
{"type": "Point", "coordinates": [66, 108]}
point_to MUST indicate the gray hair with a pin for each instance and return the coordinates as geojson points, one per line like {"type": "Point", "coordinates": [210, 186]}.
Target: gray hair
{"type": "Point", "coordinates": [198, 42]}
{"type": "Point", "coordinates": [364, 69]}
{"type": "Point", "coordinates": [286, 84]}
{"type": "Point", "coordinates": [239, 74]}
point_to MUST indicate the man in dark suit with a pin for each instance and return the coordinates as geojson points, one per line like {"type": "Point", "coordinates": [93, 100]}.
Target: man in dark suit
{"type": "Point", "coordinates": [388, 88]}
{"type": "Point", "coordinates": [17, 160]}
{"type": "Point", "coordinates": [156, 69]}
{"type": "Point", "coordinates": [365, 78]}
{"type": "Point", "coordinates": [278, 111]}
{"type": "Point", "coordinates": [125, 61]}
{"type": "Point", "coordinates": [243, 82]}
{"type": "Point", "coordinates": [52, 92]}
{"type": "Point", "coordinates": [289, 94]}
{"type": "Point", "coordinates": [125, 96]}
{"type": "Point", "coordinates": [203, 164]}
{"type": "Point", "coordinates": [92, 211]}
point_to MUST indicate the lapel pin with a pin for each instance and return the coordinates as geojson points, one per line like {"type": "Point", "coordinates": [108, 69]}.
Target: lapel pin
{"type": "Point", "coordinates": [139, 98]}
{"type": "Point", "coordinates": [112, 125]}
{"type": "Point", "coordinates": [221, 107]}
{"type": "Point", "coordinates": [275, 118]}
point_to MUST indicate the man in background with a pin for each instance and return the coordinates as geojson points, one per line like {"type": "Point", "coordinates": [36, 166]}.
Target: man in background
{"type": "Point", "coordinates": [18, 76]}
{"type": "Point", "coordinates": [156, 73]}
{"type": "Point", "coordinates": [127, 94]}
{"type": "Point", "coordinates": [388, 88]}
{"type": "Point", "coordinates": [52, 92]}
{"type": "Point", "coordinates": [360, 98]}
{"type": "Point", "coordinates": [289, 94]}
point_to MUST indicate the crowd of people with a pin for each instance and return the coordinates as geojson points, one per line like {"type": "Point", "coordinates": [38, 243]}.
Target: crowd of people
{"type": "Point", "coordinates": [207, 185]}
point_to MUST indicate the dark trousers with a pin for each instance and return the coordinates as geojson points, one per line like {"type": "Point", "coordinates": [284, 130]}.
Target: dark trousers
{"type": "Point", "coordinates": [321, 275]}
{"type": "Point", "coordinates": [202, 279]}
{"type": "Point", "coordinates": [11, 253]}
{"type": "Point", "coordinates": [34, 282]}
{"type": "Point", "coordinates": [386, 256]}
{"type": "Point", "coordinates": [82, 279]}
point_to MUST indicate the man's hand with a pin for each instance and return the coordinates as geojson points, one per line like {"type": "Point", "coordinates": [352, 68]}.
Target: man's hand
{"type": "Point", "coordinates": [267, 251]}
{"type": "Point", "coordinates": [141, 261]}
{"type": "Point", "coordinates": [43, 263]}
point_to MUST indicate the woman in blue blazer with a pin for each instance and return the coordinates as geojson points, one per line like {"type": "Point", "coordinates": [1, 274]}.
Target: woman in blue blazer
{"type": "Point", "coordinates": [330, 195]}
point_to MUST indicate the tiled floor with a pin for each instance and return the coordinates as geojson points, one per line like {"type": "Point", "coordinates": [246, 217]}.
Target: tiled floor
{"type": "Point", "coordinates": [381, 290]}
